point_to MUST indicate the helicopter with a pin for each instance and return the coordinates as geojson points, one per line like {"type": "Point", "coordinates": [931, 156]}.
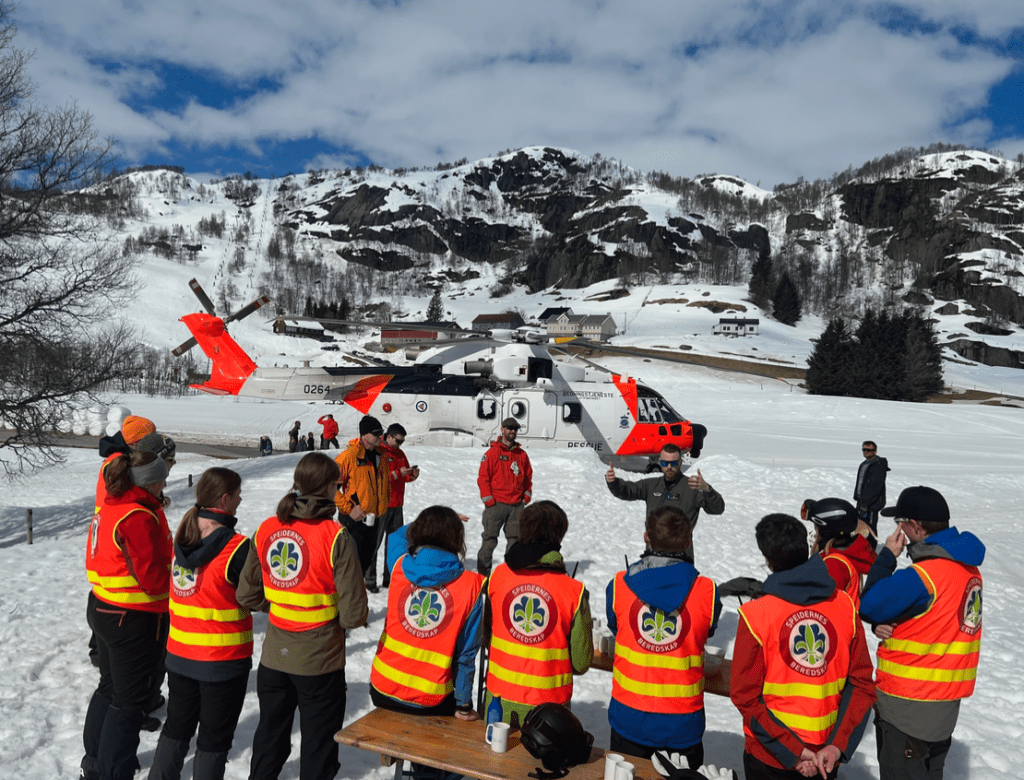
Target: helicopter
{"type": "Point", "coordinates": [458, 391]}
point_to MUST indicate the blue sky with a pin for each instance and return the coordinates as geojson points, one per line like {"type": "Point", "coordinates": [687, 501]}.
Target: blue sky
{"type": "Point", "coordinates": [763, 89]}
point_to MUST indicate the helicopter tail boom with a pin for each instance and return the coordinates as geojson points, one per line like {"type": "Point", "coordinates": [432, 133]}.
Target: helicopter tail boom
{"type": "Point", "coordinates": [231, 367]}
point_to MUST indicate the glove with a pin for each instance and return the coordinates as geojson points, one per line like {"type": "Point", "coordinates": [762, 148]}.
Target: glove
{"type": "Point", "coordinates": [712, 772]}
{"type": "Point", "coordinates": [675, 767]}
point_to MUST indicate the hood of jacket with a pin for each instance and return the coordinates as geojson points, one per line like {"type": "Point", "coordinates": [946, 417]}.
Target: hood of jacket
{"type": "Point", "coordinates": [535, 556]}
{"type": "Point", "coordinates": [860, 554]}
{"type": "Point", "coordinates": [196, 555]}
{"type": "Point", "coordinates": [949, 543]}
{"type": "Point", "coordinates": [431, 567]}
{"type": "Point", "coordinates": [808, 583]}
{"type": "Point", "coordinates": [501, 445]}
{"type": "Point", "coordinates": [660, 581]}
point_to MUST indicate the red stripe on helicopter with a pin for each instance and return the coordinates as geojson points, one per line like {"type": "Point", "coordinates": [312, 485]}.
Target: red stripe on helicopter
{"type": "Point", "coordinates": [365, 392]}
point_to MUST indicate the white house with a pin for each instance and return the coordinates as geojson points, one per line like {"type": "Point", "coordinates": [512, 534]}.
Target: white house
{"type": "Point", "coordinates": [734, 326]}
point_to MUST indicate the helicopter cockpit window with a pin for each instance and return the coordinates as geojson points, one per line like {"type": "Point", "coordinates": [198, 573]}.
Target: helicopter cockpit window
{"type": "Point", "coordinates": [572, 412]}
{"type": "Point", "coordinates": [486, 409]}
{"type": "Point", "coordinates": [652, 408]}
{"type": "Point", "coordinates": [518, 409]}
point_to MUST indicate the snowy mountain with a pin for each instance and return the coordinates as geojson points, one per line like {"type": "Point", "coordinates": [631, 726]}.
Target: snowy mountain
{"type": "Point", "coordinates": [540, 227]}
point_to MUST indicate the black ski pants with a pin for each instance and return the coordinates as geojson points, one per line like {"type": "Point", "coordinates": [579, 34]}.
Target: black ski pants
{"type": "Point", "coordinates": [320, 700]}
{"type": "Point", "coordinates": [212, 706]}
{"type": "Point", "coordinates": [130, 645]}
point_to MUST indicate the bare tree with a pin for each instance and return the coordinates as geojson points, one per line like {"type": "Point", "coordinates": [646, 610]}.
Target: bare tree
{"type": "Point", "coordinates": [60, 280]}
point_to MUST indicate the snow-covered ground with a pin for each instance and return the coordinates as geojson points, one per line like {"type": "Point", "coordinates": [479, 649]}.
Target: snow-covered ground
{"type": "Point", "coordinates": [769, 446]}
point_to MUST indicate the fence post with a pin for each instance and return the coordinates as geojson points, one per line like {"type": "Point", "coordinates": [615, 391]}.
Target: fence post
{"type": "Point", "coordinates": [190, 480]}
{"type": "Point", "coordinates": [28, 524]}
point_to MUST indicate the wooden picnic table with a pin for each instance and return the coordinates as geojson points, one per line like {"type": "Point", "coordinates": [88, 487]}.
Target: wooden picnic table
{"type": "Point", "coordinates": [458, 746]}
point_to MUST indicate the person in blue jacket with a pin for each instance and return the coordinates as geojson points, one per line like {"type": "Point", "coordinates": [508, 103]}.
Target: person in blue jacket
{"type": "Point", "coordinates": [935, 603]}
{"type": "Point", "coordinates": [430, 551]}
{"type": "Point", "coordinates": [664, 579]}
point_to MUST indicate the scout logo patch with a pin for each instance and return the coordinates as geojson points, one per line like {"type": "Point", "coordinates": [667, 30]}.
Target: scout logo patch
{"type": "Point", "coordinates": [970, 607]}
{"type": "Point", "coordinates": [285, 559]}
{"type": "Point", "coordinates": [426, 611]}
{"type": "Point", "coordinates": [808, 642]}
{"type": "Point", "coordinates": [530, 613]}
{"type": "Point", "coordinates": [655, 631]}
{"type": "Point", "coordinates": [185, 582]}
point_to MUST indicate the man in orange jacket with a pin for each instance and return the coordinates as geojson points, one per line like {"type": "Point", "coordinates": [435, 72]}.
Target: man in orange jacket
{"type": "Point", "coordinates": [363, 488]}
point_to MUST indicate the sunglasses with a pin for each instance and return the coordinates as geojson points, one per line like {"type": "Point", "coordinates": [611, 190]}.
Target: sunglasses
{"type": "Point", "coordinates": [398, 441]}
{"type": "Point", "coordinates": [867, 449]}
{"type": "Point", "coordinates": [667, 463]}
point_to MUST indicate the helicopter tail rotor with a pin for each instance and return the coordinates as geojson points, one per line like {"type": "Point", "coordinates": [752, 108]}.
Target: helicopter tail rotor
{"type": "Point", "coordinates": [207, 304]}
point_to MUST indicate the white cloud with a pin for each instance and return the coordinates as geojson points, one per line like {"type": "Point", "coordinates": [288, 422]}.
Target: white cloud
{"type": "Point", "coordinates": [804, 88]}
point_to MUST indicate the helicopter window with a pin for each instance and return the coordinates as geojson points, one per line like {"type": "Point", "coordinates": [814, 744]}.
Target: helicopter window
{"type": "Point", "coordinates": [652, 408]}
{"type": "Point", "coordinates": [572, 413]}
{"type": "Point", "coordinates": [518, 409]}
{"type": "Point", "coordinates": [662, 430]}
{"type": "Point", "coordinates": [486, 409]}
{"type": "Point", "coordinates": [539, 368]}
{"type": "Point", "coordinates": [677, 430]}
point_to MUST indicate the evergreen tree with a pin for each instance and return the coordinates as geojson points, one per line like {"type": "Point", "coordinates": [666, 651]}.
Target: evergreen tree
{"type": "Point", "coordinates": [759, 288]}
{"type": "Point", "coordinates": [878, 356]}
{"type": "Point", "coordinates": [435, 309]}
{"type": "Point", "coordinates": [922, 356]}
{"type": "Point", "coordinates": [786, 301]}
{"type": "Point", "coordinates": [830, 366]}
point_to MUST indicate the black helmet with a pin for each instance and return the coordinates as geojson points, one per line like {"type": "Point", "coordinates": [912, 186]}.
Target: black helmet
{"type": "Point", "coordinates": [835, 518]}
{"type": "Point", "coordinates": [554, 735]}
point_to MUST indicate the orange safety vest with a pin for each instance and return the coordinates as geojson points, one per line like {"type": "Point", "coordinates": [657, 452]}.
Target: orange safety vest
{"type": "Point", "coordinates": [934, 656]}
{"type": "Point", "coordinates": [659, 656]}
{"type": "Point", "coordinates": [807, 660]}
{"type": "Point", "coordinates": [206, 622]}
{"type": "Point", "coordinates": [298, 571]}
{"type": "Point", "coordinates": [101, 499]}
{"type": "Point", "coordinates": [414, 655]}
{"type": "Point", "coordinates": [852, 588]}
{"type": "Point", "coordinates": [107, 568]}
{"type": "Point", "coordinates": [531, 617]}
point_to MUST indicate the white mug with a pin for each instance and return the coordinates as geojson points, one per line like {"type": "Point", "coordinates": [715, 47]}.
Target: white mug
{"type": "Point", "coordinates": [610, 760]}
{"type": "Point", "coordinates": [370, 519]}
{"type": "Point", "coordinates": [497, 736]}
{"type": "Point", "coordinates": [624, 771]}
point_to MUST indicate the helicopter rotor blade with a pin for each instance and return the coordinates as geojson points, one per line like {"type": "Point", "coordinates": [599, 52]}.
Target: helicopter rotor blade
{"type": "Point", "coordinates": [204, 299]}
{"type": "Point", "coordinates": [184, 347]}
{"type": "Point", "coordinates": [244, 312]}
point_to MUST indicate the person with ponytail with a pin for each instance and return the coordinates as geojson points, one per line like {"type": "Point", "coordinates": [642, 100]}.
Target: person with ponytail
{"type": "Point", "coordinates": [128, 560]}
{"type": "Point", "coordinates": [303, 568]}
{"type": "Point", "coordinates": [209, 648]}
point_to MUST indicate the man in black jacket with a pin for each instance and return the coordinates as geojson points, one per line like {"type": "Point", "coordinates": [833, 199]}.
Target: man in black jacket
{"type": "Point", "coordinates": [869, 490]}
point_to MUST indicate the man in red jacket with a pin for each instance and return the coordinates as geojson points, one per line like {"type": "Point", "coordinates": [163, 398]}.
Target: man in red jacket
{"type": "Point", "coordinates": [505, 481]}
{"type": "Point", "coordinates": [394, 461]}
{"type": "Point", "coordinates": [330, 434]}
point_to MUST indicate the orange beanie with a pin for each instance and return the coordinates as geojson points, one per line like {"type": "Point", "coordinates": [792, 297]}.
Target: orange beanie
{"type": "Point", "coordinates": [134, 429]}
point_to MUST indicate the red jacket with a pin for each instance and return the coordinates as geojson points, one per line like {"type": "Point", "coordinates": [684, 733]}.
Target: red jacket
{"type": "Point", "coordinates": [846, 565]}
{"type": "Point", "coordinates": [330, 427]}
{"type": "Point", "coordinates": [506, 476]}
{"type": "Point", "coordinates": [394, 460]}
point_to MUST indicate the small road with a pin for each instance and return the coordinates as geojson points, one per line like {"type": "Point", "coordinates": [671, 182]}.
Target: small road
{"type": "Point", "coordinates": [210, 450]}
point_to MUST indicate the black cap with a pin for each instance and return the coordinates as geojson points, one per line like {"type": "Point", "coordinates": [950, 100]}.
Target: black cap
{"type": "Point", "coordinates": [158, 444]}
{"type": "Point", "coordinates": [511, 423]}
{"type": "Point", "coordinates": [835, 518]}
{"type": "Point", "coordinates": [370, 425]}
{"type": "Point", "coordinates": [919, 503]}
